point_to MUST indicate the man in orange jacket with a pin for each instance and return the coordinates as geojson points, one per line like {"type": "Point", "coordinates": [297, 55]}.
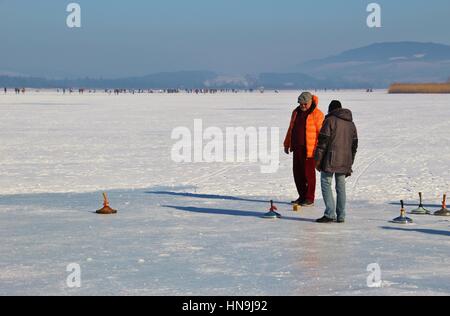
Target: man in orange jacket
{"type": "Point", "coordinates": [301, 139]}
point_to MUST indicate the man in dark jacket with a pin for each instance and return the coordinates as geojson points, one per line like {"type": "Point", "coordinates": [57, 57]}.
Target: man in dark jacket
{"type": "Point", "coordinates": [334, 156]}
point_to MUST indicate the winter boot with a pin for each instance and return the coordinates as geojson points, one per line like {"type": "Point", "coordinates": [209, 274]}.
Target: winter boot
{"type": "Point", "coordinates": [325, 220]}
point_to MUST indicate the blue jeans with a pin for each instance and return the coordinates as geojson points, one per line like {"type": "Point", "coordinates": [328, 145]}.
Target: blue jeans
{"type": "Point", "coordinates": [331, 210]}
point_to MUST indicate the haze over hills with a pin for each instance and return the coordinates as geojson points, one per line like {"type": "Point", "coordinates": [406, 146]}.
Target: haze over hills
{"type": "Point", "coordinates": [381, 64]}
{"type": "Point", "coordinates": [387, 52]}
{"type": "Point", "coordinates": [377, 65]}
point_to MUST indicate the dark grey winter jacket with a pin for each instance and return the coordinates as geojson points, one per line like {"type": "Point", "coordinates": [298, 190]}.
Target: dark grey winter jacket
{"type": "Point", "coordinates": [338, 143]}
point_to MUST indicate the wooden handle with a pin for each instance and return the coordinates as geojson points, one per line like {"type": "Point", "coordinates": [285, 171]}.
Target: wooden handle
{"type": "Point", "coordinates": [105, 199]}
{"type": "Point", "coordinates": [420, 196]}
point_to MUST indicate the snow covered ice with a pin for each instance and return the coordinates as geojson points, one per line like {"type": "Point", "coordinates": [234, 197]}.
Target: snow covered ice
{"type": "Point", "coordinates": [196, 229]}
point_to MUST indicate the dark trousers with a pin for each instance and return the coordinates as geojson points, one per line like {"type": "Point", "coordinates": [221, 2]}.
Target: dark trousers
{"type": "Point", "coordinates": [305, 175]}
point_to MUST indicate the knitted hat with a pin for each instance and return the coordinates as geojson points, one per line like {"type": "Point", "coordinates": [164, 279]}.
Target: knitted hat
{"type": "Point", "coordinates": [334, 105]}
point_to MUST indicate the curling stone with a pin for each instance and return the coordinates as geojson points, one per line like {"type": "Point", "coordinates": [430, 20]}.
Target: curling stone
{"type": "Point", "coordinates": [443, 211]}
{"type": "Point", "coordinates": [402, 219]}
{"type": "Point", "coordinates": [272, 214]}
{"type": "Point", "coordinates": [106, 210]}
{"type": "Point", "coordinates": [420, 210]}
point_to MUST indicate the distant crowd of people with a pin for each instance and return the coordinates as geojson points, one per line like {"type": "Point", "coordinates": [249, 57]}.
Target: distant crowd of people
{"type": "Point", "coordinates": [150, 91]}
{"type": "Point", "coordinates": [16, 90]}
{"type": "Point", "coordinates": [138, 91]}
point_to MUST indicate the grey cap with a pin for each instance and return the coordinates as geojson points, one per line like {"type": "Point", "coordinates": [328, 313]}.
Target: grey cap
{"type": "Point", "coordinates": [305, 97]}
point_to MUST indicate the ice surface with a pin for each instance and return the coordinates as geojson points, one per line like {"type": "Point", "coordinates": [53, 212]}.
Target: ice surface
{"type": "Point", "coordinates": [195, 229]}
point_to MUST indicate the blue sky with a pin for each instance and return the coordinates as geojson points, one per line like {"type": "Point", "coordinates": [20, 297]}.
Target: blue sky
{"type": "Point", "coordinates": [138, 37]}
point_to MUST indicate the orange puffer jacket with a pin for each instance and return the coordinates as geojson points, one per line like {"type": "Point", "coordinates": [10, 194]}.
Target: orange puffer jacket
{"type": "Point", "coordinates": [313, 126]}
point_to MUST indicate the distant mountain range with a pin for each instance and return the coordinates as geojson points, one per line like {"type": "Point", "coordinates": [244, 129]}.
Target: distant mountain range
{"type": "Point", "coordinates": [381, 64]}
{"type": "Point", "coordinates": [376, 66]}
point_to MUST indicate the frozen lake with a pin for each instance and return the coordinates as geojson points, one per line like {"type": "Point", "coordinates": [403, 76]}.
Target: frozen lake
{"type": "Point", "coordinates": [195, 228]}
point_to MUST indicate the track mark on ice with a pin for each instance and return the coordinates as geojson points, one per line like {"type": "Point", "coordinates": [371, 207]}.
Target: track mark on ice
{"type": "Point", "coordinates": [371, 163]}
{"type": "Point", "coordinates": [384, 152]}
{"type": "Point", "coordinates": [203, 178]}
